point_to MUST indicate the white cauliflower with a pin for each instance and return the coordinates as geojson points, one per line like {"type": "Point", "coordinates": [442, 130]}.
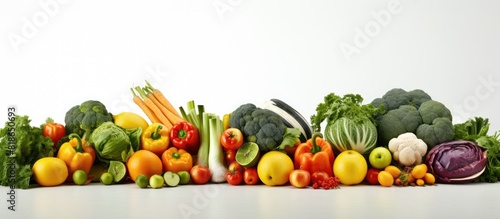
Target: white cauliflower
{"type": "Point", "coordinates": [407, 149]}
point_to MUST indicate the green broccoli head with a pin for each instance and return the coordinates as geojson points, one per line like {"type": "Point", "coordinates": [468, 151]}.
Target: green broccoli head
{"type": "Point", "coordinates": [241, 116]}
{"type": "Point", "coordinates": [84, 118]}
{"type": "Point", "coordinates": [440, 130]}
{"type": "Point", "coordinates": [408, 112]}
{"type": "Point", "coordinates": [398, 121]}
{"type": "Point", "coordinates": [262, 126]}
{"type": "Point", "coordinates": [397, 97]}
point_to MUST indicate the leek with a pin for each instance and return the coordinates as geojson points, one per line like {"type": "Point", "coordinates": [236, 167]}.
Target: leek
{"type": "Point", "coordinates": [216, 154]}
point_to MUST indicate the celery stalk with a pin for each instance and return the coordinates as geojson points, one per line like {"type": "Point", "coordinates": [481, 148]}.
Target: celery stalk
{"type": "Point", "coordinates": [202, 158]}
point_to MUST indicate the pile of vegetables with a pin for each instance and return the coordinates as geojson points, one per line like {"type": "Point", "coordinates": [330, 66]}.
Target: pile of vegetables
{"type": "Point", "coordinates": [350, 124]}
{"type": "Point", "coordinates": [417, 130]}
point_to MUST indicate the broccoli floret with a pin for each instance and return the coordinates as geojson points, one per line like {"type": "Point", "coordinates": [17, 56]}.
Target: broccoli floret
{"type": "Point", "coordinates": [262, 126]}
{"type": "Point", "coordinates": [84, 118]}
{"type": "Point", "coordinates": [441, 130]}
{"type": "Point", "coordinates": [241, 115]}
{"type": "Point", "coordinates": [408, 112]}
{"type": "Point", "coordinates": [432, 109]}
{"type": "Point", "coordinates": [393, 99]}
{"type": "Point", "coordinates": [418, 97]}
{"type": "Point", "coordinates": [404, 119]}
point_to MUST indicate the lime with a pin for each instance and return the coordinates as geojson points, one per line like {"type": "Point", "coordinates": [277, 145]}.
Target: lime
{"type": "Point", "coordinates": [156, 181]}
{"type": "Point", "coordinates": [185, 177]}
{"type": "Point", "coordinates": [107, 179]}
{"type": "Point", "coordinates": [142, 181]}
{"type": "Point", "coordinates": [248, 154]}
{"type": "Point", "coordinates": [118, 170]}
{"type": "Point", "coordinates": [80, 177]}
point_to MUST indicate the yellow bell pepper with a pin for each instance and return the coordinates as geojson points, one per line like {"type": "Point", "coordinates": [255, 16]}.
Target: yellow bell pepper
{"type": "Point", "coordinates": [176, 160]}
{"type": "Point", "coordinates": [77, 155]}
{"type": "Point", "coordinates": [155, 138]}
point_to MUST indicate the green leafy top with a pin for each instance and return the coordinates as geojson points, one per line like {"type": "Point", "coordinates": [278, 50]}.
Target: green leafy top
{"type": "Point", "coordinates": [30, 145]}
{"type": "Point", "coordinates": [492, 146]}
{"type": "Point", "coordinates": [471, 129]}
{"type": "Point", "coordinates": [349, 106]}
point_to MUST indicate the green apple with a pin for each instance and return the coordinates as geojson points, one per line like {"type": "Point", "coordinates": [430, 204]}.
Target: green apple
{"type": "Point", "coordinates": [156, 181]}
{"type": "Point", "coordinates": [380, 157]}
{"type": "Point", "coordinates": [171, 178]}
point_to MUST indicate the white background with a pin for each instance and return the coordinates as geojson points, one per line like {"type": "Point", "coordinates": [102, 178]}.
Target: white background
{"type": "Point", "coordinates": [224, 53]}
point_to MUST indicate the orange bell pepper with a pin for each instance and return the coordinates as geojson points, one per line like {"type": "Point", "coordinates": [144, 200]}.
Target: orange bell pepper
{"type": "Point", "coordinates": [176, 160]}
{"type": "Point", "coordinates": [77, 155]}
{"type": "Point", "coordinates": [315, 155]}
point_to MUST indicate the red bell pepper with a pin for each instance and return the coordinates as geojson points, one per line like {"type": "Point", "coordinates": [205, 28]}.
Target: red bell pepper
{"type": "Point", "coordinates": [184, 135]}
{"type": "Point", "coordinates": [55, 131]}
{"type": "Point", "coordinates": [315, 155]}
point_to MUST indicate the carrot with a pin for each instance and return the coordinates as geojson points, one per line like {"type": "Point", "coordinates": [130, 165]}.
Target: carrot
{"type": "Point", "coordinates": [166, 112]}
{"type": "Point", "coordinates": [156, 111]}
{"type": "Point", "coordinates": [137, 100]}
{"type": "Point", "coordinates": [162, 99]}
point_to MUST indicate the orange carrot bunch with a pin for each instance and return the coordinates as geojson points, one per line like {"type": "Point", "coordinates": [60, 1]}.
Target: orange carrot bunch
{"type": "Point", "coordinates": [155, 105]}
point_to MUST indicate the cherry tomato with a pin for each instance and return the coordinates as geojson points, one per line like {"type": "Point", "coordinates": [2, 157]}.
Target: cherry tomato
{"type": "Point", "coordinates": [235, 167]}
{"type": "Point", "coordinates": [234, 177]}
{"type": "Point", "coordinates": [231, 139]}
{"type": "Point", "coordinates": [230, 156]}
{"type": "Point", "coordinates": [372, 176]}
{"type": "Point", "coordinates": [318, 177]}
{"type": "Point", "coordinates": [250, 176]}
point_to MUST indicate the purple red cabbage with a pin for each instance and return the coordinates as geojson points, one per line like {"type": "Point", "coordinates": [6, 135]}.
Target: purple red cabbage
{"type": "Point", "coordinates": [456, 161]}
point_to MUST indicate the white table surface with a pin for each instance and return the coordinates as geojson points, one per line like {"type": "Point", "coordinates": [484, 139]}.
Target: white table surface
{"type": "Point", "coordinates": [224, 201]}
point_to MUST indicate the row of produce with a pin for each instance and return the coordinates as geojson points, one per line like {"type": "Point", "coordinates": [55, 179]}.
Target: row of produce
{"type": "Point", "coordinates": [402, 138]}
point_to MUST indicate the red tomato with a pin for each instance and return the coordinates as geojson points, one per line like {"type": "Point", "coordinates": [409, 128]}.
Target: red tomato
{"type": "Point", "coordinates": [235, 167]}
{"type": "Point", "coordinates": [372, 176]}
{"type": "Point", "coordinates": [231, 139]}
{"type": "Point", "coordinates": [54, 131]}
{"type": "Point", "coordinates": [318, 177]}
{"type": "Point", "coordinates": [234, 178]}
{"type": "Point", "coordinates": [200, 174]}
{"type": "Point", "coordinates": [250, 176]}
{"type": "Point", "coordinates": [230, 156]}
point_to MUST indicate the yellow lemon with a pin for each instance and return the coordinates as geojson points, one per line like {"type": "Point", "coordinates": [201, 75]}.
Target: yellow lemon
{"type": "Point", "coordinates": [50, 171]}
{"type": "Point", "coordinates": [130, 120]}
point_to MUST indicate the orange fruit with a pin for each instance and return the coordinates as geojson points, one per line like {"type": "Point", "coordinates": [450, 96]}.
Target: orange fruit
{"type": "Point", "coordinates": [385, 178]}
{"type": "Point", "coordinates": [419, 171]}
{"type": "Point", "coordinates": [144, 162]}
{"type": "Point", "coordinates": [393, 170]}
{"type": "Point", "coordinates": [429, 179]}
